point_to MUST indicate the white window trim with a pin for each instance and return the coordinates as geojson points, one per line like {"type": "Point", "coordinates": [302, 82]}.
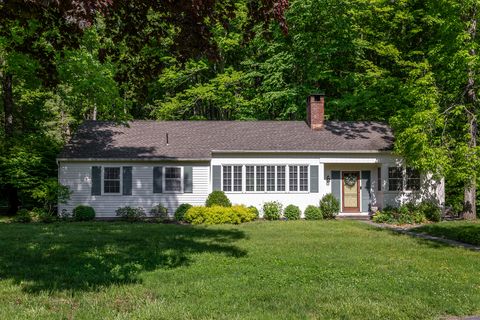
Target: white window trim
{"type": "Point", "coordinates": [404, 181]}
{"type": "Point", "coordinates": [121, 182]}
{"type": "Point", "coordinates": [164, 169]}
{"type": "Point", "coordinates": [232, 178]}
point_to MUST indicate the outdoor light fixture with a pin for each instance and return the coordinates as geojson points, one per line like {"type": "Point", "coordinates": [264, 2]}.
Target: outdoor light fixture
{"type": "Point", "coordinates": [328, 180]}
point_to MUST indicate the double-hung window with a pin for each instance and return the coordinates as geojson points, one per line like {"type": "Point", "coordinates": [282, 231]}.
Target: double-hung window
{"type": "Point", "coordinates": [111, 180]}
{"type": "Point", "coordinates": [270, 178]}
{"type": "Point", "coordinates": [413, 179]}
{"type": "Point", "coordinates": [298, 178]}
{"type": "Point", "coordinates": [232, 178]}
{"type": "Point", "coordinates": [400, 179]}
{"type": "Point", "coordinates": [395, 178]}
{"type": "Point", "coordinates": [260, 177]}
{"type": "Point", "coordinates": [281, 178]}
{"type": "Point", "coordinates": [173, 179]}
{"type": "Point", "coordinates": [250, 178]}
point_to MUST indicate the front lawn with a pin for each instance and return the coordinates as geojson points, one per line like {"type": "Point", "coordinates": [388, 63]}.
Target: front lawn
{"type": "Point", "coordinates": [464, 231]}
{"type": "Point", "coordinates": [266, 270]}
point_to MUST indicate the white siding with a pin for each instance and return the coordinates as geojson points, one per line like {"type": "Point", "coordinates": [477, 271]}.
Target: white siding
{"type": "Point", "coordinates": [77, 176]}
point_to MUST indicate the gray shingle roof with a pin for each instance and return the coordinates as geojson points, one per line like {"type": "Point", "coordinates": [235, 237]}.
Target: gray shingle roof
{"type": "Point", "coordinates": [198, 139]}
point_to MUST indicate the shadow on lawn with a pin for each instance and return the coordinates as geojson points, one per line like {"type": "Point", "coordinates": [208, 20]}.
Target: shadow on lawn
{"type": "Point", "coordinates": [76, 256]}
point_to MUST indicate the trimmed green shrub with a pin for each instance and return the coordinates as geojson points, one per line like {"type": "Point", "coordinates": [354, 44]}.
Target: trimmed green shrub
{"type": "Point", "coordinates": [159, 212]}
{"type": "Point", "coordinates": [219, 215]}
{"type": "Point", "coordinates": [83, 213]}
{"type": "Point", "coordinates": [272, 210]}
{"type": "Point", "coordinates": [181, 210]}
{"type": "Point", "coordinates": [23, 216]}
{"type": "Point", "coordinates": [131, 214]}
{"type": "Point", "coordinates": [313, 213]}
{"type": "Point", "coordinates": [254, 210]}
{"type": "Point", "coordinates": [431, 211]}
{"type": "Point", "coordinates": [292, 212]}
{"type": "Point", "coordinates": [218, 198]}
{"type": "Point", "coordinates": [329, 206]}
{"type": "Point", "coordinates": [405, 214]}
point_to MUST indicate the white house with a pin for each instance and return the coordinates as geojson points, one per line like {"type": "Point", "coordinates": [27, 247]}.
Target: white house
{"type": "Point", "coordinates": [144, 163]}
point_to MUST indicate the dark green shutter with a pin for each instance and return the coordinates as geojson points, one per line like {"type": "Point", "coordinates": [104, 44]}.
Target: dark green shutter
{"type": "Point", "coordinates": [127, 181]}
{"type": "Point", "coordinates": [187, 179]}
{"type": "Point", "coordinates": [96, 181]}
{"type": "Point", "coordinates": [157, 180]}
{"type": "Point", "coordinates": [366, 195]}
{"type": "Point", "coordinates": [217, 178]}
{"type": "Point", "coordinates": [314, 179]}
{"type": "Point", "coordinates": [336, 183]}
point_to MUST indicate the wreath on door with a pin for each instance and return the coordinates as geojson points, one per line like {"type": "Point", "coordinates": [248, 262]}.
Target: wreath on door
{"type": "Point", "coordinates": [350, 180]}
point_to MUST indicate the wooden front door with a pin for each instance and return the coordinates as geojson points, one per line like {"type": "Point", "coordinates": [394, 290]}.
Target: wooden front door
{"type": "Point", "coordinates": [351, 191]}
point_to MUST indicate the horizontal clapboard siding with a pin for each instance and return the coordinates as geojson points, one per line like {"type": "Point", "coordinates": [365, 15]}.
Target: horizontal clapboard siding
{"type": "Point", "coordinates": [78, 177]}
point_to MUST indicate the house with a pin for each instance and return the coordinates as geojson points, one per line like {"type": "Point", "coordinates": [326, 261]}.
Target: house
{"type": "Point", "coordinates": [144, 163]}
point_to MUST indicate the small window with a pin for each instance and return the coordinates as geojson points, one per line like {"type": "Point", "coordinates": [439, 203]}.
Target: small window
{"type": "Point", "coordinates": [237, 178]}
{"type": "Point", "coordinates": [379, 179]}
{"type": "Point", "coordinates": [250, 178]}
{"type": "Point", "coordinates": [173, 179]}
{"type": "Point", "coordinates": [293, 178]}
{"type": "Point", "coordinates": [111, 180]}
{"type": "Point", "coordinates": [395, 179]}
{"type": "Point", "coordinates": [413, 179]}
{"type": "Point", "coordinates": [260, 178]}
{"type": "Point", "coordinates": [270, 178]}
{"type": "Point", "coordinates": [280, 178]}
{"type": "Point", "coordinates": [303, 178]}
{"type": "Point", "coordinates": [227, 178]}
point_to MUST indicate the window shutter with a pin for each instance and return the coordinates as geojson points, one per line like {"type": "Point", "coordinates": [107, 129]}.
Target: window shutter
{"type": "Point", "coordinates": [96, 181]}
{"type": "Point", "coordinates": [157, 180]}
{"type": "Point", "coordinates": [127, 181]}
{"type": "Point", "coordinates": [336, 183]}
{"type": "Point", "coordinates": [216, 178]}
{"type": "Point", "coordinates": [314, 179]}
{"type": "Point", "coordinates": [187, 179]}
{"type": "Point", "coordinates": [366, 196]}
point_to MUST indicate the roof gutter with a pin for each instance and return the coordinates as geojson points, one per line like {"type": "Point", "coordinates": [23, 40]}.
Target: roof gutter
{"type": "Point", "coordinates": [306, 151]}
{"type": "Point", "coordinates": [132, 159]}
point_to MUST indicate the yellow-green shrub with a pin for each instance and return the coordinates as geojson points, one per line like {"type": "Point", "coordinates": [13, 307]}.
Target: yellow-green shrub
{"type": "Point", "coordinates": [219, 215]}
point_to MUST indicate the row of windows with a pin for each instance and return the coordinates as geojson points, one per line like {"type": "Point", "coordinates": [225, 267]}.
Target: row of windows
{"type": "Point", "coordinates": [265, 178]}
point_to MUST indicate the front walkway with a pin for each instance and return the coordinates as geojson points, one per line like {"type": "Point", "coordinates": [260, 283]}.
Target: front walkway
{"type": "Point", "coordinates": [406, 230]}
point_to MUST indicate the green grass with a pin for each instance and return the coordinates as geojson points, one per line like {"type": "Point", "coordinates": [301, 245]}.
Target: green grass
{"type": "Point", "coordinates": [464, 231]}
{"type": "Point", "coordinates": [266, 270]}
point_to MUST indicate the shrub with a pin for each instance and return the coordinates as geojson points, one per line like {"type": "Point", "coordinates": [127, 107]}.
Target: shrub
{"type": "Point", "coordinates": [272, 210]}
{"type": "Point", "coordinates": [218, 198]}
{"type": "Point", "coordinates": [329, 206]}
{"type": "Point", "coordinates": [405, 214]}
{"type": "Point", "coordinates": [83, 213]}
{"type": "Point", "coordinates": [292, 212]}
{"type": "Point", "coordinates": [254, 210]}
{"type": "Point", "coordinates": [219, 215]}
{"type": "Point", "coordinates": [181, 210]}
{"type": "Point", "coordinates": [431, 211]}
{"type": "Point", "coordinates": [131, 214]}
{"type": "Point", "coordinates": [159, 212]}
{"type": "Point", "coordinates": [313, 213]}
{"type": "Point", "coordinates": [43, 215]}
{"type": "Point", "coordinates": [23, 216]}
{"type": "Point", "coordinates": [49, 193]}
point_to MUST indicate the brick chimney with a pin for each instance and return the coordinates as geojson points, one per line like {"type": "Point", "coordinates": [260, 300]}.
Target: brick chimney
{"type": "Point", "coordinates": [316, 111]}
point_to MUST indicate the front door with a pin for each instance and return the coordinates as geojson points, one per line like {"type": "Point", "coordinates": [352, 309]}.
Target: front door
{"type": "Point", "coordinates": [351, 191]}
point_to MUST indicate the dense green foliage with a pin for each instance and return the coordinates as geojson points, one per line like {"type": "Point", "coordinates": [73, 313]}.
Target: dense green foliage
{"type": "Point", "coordinates": [326, 269]}
{"type": "Point", "coordinates": [411, 63]}
{"type": "Point", "coordinates": [159, 212]}
{"type": "Point", "coordinates": [219, 215]}
{"type": "Point", "coordinates": [130, 214]}
{"type": "Point", "coordinates": [292, 212]}
{"type": "Point", "coordinates": [467, 232]}
{"type": "Point", "coordinates": [83, 213]}
{"type": "Point", "coordinates": [409, 213]}
{"type": "Point", "coordinates": [329, 206]}
{"type": "Point", "coordinates": [272, 210]}
{"type": "Point", "coordinates": [313, 213]}
{"type": "Point", "coordinates": [181, 210]}
{"type": "Point", "coordinates": [218, 198]}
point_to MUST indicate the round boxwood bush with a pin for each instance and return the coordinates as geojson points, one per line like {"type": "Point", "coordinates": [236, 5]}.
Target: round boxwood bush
{"type": "Point", "coordinates": [181, 210]}
{"type": "Point", "coordinates": [313, 213]}
{"type": "Point", "coordinates": [292, 212]}
{"type": "Point", "coordinates": [218, 198]}
{"type": "Point", "coordinates": [272, 210]}
{"type": "Point", "coordinates": [159, 212]}
{"type": "Point", "coordinates": [83, 213]}
{"type": "Point", "coordinates": [329, 206]}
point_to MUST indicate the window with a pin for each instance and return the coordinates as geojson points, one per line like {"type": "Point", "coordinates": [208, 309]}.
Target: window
{"type": "Point", "coordinates": [413, 179]}
{"type": "Point", "coordinates": [173, 179]}
{"type": "Point", "coordinates": [260, 178]}
{"type": "Point", "coordinates": [250, 178]}
{"type": "Point", "coordinates": [227, 178]}
{"type": "Point", "coordinates": [270, 178]}
{"type": "Point", "coordinates": [237, 178]}
{"type": "Point", "coordinates": [395, 179]}
{"type": "Point", "coordinates": [111, 180]}
{"type": "Point", "coordinates": [280, 178]}
{"type": "Point", "coordinates": [379, 179]}
{"type": "Point", "coordinates": [293, 178]}
{"type": "Point", "coordinates": [303, 178]}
